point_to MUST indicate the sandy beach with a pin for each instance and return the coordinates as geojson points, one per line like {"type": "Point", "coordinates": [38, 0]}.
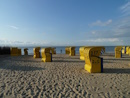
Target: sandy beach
{"type": "Point", "coordinates": [65, 77]}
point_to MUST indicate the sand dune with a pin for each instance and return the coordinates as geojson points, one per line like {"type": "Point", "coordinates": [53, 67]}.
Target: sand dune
{"type": "Point", "coordinates": [24, 76]}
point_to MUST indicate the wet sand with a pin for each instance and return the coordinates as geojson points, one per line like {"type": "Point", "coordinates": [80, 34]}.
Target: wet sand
{"type": "Point", "coordinates": [26, 77]}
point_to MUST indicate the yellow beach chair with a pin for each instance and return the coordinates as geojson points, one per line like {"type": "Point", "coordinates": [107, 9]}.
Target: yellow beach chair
{"type": "Point", "coordinates": [72, 51]}
{"type": "Point", "coordinates": [14, 51]}
{"type": "Point", "coordinates": [127, 50]}
{"type": "Point", "coordinates": [46, 55]}
{"type": "Point", "coordinates": [36, 52]}
{"type": "Point", "coordinates": [81, 53]}
{"type": "Point", "coordinates": [123, 50]}
{"type": "Point", "coordinates": [82, 49]}
{"type": "Point", "coordinates": [118, 52]}
{"type": "Point", "coordinates": [93, 63]}
{"type": "Point", "coordinates": [67, 51]}
{"type": "Point", "coordinates": [19, 52]}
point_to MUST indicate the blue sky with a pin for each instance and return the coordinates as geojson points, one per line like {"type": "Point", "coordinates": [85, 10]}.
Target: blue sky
{"type": "Point", "coordinates": [64, 22]}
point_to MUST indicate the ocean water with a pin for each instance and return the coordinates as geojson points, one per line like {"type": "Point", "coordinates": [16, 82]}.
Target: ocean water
{"type": "Point", "coordinates": [109, 49]}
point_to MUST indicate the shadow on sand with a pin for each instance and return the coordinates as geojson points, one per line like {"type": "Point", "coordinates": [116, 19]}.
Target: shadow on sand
{"type": "Point", "coordinates": [20, 68]}
{"type": "Point", "coordinates": [38, 61]}
{"type": "Point", "coordinates": [108, 55]}
{"type": "Point", "coordinates": [67, 57]}
{"type": "Point", "coordinates": [118, 71]}
{"type": "Point", "coordinates": [107, 61]}
{"type": "Point", "coordinates": [110, 71]}
{"type": "Point", "coordinates": [126, 57]}
{"type": "Point", "coordinates": [118, 59]}
{"type": "Point", "coordinates": [68, 61]}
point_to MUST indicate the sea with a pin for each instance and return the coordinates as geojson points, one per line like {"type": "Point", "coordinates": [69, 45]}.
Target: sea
{"type": "Point", "coordinates": [61, 49]}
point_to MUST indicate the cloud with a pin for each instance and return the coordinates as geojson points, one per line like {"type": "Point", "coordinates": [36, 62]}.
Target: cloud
{"type": "Point", "coordinates": [5, 42]}
{"type": "Point", "coordinates": [126, 8]}
{"type": "Point", "coordinates": [122, 28]}
{"type": "Point", "coordinates": [14, 27]}
{"type": "Point", "coordinates": [100, 23]}
{"type": "Point", "coordinates": [93, 32]}
{"type": "Point", "coordinates": [44, 33]}
{"type": "Point", "coordinates": [118, 29]}
{"type": "Point", "coordinates": [101, 40]}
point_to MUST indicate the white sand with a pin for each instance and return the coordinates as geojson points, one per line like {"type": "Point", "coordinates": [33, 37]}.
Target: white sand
{"type": "Point", "coordinates": [24, 76]}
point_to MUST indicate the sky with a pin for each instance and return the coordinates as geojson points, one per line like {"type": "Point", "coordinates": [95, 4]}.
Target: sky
{"type": "Point", "coordinates": [64, 22]}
